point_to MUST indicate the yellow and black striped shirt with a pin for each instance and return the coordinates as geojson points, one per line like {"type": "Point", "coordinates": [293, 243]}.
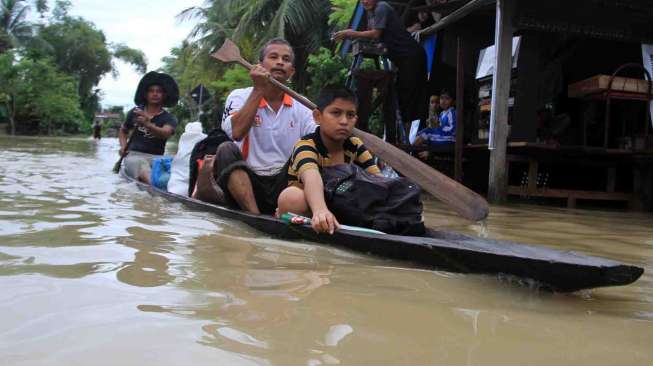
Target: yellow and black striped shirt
{"type": "Point", "coordinates": [310, 153]}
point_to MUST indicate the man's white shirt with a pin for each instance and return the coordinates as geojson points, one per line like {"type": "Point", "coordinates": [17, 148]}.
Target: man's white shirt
{"type": "Point", "coordinates": [273, 135]}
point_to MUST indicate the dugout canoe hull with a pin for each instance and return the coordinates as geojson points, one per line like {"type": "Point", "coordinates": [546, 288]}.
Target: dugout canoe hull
{"type": "Point", "coordinates": [552, 269]}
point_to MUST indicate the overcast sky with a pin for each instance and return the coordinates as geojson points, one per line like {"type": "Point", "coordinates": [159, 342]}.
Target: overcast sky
{"type": "Point", "coordinates": [148, 25]}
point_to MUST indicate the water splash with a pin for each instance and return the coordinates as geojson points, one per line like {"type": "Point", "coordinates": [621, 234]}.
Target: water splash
{"type": "Point", "coordinates": [483, 231]}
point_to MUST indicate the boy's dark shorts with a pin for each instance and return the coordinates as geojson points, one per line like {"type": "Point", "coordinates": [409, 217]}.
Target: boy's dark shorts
{"type": "Point", "coordinates": [267, 189]}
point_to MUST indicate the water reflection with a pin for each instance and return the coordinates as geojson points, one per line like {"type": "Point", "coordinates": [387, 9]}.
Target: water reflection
{"type": "Point", "coordinates": [93, 269]}
{"type": "Point", "coordinates": [243, 286]}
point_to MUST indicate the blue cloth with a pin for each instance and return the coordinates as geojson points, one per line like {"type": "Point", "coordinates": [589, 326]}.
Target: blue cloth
{"type": "Point", "coordinates": [445, 133]}
{"type": "Point", "coordinates": [161, 172]}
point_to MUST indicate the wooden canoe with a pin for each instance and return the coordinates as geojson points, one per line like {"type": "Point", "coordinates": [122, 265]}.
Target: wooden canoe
{"type": "Point", "coordinates": [445, 250]}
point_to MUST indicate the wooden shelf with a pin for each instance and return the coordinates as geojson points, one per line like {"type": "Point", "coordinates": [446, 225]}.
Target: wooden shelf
{"type": "Point", "coordinates": [571, 195]}
{"type": "Point", "coordinates": [597, 86]}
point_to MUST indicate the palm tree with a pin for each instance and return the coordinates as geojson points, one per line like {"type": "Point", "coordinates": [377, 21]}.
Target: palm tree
{"type": "Point", "coordinates": [304, 23]}
{"type": "Point", "coordinates": [14, 30]}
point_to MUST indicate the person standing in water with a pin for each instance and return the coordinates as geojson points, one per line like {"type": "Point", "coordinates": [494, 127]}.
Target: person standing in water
{"type": "Point", "coordinates": [97, 130]}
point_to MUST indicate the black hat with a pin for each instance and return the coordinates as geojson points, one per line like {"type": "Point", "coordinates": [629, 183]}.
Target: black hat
{"type": "Point", "coordinates": [156, 78]}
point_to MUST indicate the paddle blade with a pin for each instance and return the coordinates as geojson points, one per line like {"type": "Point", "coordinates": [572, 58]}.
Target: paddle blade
{"type": "Point", "coordinates": [461, 199]}
{"type": "Point", "coordinates": [229, 52]}
{"type": "Point", "coordinates": [116, 166]}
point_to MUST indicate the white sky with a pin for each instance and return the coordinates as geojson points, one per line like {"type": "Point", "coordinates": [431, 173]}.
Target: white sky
{"type": "Point", "coordinates": [148, 25]}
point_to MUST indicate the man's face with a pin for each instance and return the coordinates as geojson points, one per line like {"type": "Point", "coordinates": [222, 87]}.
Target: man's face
{"type": "Point", "coordinates": [338, 119]}
{"type": "Point", "coordinates": [278, 60]}
{"type": "Point", "coordinates": [369, 4]}
{"type": "Point", "coordinates": [154, 94]}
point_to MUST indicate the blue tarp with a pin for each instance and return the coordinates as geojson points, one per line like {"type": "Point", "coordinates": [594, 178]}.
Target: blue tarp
{"type": "Point", "coordinates": [429, 44]}
{"type": "Point", "coordinates": [355, 24]}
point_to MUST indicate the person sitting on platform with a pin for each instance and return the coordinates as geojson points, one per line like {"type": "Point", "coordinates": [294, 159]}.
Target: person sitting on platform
{"type": "Point", "coordinates": [434, 112]}
{"type": "Point", "coordinates": [264, 124]}
{"type": "Point", "coordinates": [424, 20]}
{"type": "Point", "coordinates": [152, 124]}
{"type": "Point", "coordinates": [385, 25]}
{"type": "Point", "coordinates": [445, 130]}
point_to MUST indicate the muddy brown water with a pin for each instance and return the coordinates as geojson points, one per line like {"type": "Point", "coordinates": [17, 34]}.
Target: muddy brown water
{"type": "Point", "coordinates": [94, 271]}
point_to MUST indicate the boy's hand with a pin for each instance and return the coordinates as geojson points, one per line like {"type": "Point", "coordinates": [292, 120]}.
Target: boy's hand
{"type": "Point", "coordinates": [324, 221]}
{"type": "Point", "coordinates": [424, 155]}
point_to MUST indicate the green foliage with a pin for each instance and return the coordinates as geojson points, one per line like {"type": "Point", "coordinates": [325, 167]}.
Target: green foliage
{"type": "Point", "coordinates": [250, 23]}
{"type": "Point", "coordinates": [191, 67]}
{"type": "Point", "coordinates": [303, 23]}
{"type": "Point", "coordinates": [341, 12]}
{"type": "Point", "coordinates": [79, 49]}
{"type": "Point", "coordinates": [40, 97]}
{"type": "Point", "coordinates": [325, 69]}
{"type": "Point", "coordinates": [10, 84]}
{"type": "Point", "coordinates": [61, 9]}
{"type": "Point", "coordinates": [66, 53]}
{"type": "Point", "coordinates": [14, 29]}
{"type": "Point", "coordinates": [53, 97]}
{"type": "Point", "coordinates": [233, 78]}
{"type": "Point", "coordinates": [131, 56]}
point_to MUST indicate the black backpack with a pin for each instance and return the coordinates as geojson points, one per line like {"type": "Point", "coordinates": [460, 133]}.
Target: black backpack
{"type": "Point", "coordinates": [359, 198]}
{"type": "Point", "coordinates": [207, 146]}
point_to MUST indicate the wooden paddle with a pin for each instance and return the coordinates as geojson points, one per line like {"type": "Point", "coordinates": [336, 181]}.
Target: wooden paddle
{"type": "Point", "coordinates": [116, 166]}
{"type": "Point", "coordinates": [461, 199]}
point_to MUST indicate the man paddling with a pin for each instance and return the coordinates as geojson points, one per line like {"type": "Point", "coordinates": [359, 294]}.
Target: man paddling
{"type": "Point", "coordinates": [151, 124]}
{"type": "Point", "coordinates": [265, 123]}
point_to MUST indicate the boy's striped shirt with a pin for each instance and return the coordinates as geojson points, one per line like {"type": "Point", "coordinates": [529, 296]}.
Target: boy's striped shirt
{"type": "Point", "coordinates": [310, 153]}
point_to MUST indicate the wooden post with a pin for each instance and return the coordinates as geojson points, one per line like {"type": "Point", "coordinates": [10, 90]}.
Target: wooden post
{"type": "Point", "coordinates": [499, 129]}
{"type": "Point", "coordinates": [460, 113]}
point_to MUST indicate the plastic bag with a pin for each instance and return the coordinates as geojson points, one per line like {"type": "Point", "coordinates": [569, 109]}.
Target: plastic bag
{"type": "Point", "coordinates": [161, 172]}
{"type": "Point", "coordinates": [179, 172]}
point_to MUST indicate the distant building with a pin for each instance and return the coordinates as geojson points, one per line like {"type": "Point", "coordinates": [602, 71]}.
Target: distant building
{"type": "Point", "coordinates": [111, 122]}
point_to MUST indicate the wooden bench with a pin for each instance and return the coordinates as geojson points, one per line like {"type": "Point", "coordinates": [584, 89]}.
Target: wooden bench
{"type": "Point", "coordinates": [532, 190]}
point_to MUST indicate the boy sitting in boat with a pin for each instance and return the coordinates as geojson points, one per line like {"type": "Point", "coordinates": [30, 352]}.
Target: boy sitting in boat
{"type": "Point", "coordinates": [331, 162]}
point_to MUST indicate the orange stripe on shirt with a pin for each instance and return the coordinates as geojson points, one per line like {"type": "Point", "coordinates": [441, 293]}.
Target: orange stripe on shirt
{"type": "Point", "coordinates": [245, 148]}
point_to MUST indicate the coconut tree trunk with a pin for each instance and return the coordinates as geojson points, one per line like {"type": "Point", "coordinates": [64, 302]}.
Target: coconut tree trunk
{"type": "Point", "coordinates": [301, 60]}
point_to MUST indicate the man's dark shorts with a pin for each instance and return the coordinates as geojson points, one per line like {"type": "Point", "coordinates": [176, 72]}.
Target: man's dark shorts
{"type": "Point", "coordinates": [267, 189]}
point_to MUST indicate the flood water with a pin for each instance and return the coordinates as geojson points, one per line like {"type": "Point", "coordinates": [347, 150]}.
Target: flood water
{"type": "Point", "coordinates": [94, 271]}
